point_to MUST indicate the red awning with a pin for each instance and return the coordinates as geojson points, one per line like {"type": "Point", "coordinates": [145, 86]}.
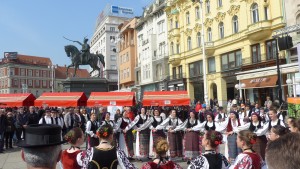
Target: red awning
{"type": "Point", "coordinates": [65, 99]}
{"type": "Point", "coordinates": [16, 100]}
{"type": "Point", "coordinates": [166, 98]}
{"type": "Point", "coordinates": [111, 99]}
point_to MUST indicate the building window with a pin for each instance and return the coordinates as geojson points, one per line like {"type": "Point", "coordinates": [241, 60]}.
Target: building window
{"type": "Point", "coordinates": [231, 60]}
{"type": "Point", "coordinates": [29, 82]}
{"type": "Point", "coordinates": [37, 83]}
{"type": "Point", "coordinates": [189, 43]}
{"type": "Point", "coordinates": [221, 30]}
{"type": "Point", "coordinates": [171, 23]}
{"type": "Point", "coordinates": [12, 71]}
{"type": "Point", "coordinates": [45, 83]}
{"type": "Point", "coordinates": [112, 29]}
{"type": "Point", "coordinates": [129, 72]}
{"type": "Point", "coordinates": [113, 57]}
{"type": "Point", "coordinates": [44, 73]}
{"type": "Point", "coordinates": [207, 4]}
{"type": "Point", "coordinates": [198, 39]}
{"type": "Point", "coordinates": [254, 12]}
{"type": "Point", "coordinates": [266, 13]}
{"type": "Point", "coordinates": [235, 24]}
{"type": "Point", "coordinates": [187, 18]}
{"type": "Point", "coordinates": [209, 34]}
{"type": "Point", "coordinates": [220, 4]}
{"type": "Point", "coordinates": [29, 72]}
{"type": "Point", "coordinates": [255, 52]}
{"type": "Point", "coordinates": [172, 48]}
{"type": "Point", "coordinates": [37, 73]}
{"type": "Point", "coordinates": [197, 12]}
{"type": "Point", "coordinates": [196, 69]}
{"type": "Point", "coordinates": [16, 82]}
{"type": "Point", "coordinates": [177, 48]}
{"type": "Point", "coordinates": [180, 74]}
{"type": "Point", "coordinates": [174, 72]}
{"type": "Point", "coordinates": [22, 72]}
{"type": "Point", "coordinates": [113, 67]}
{"type": "Point", "coordinates": [176, 24]}
{"type": "Point", "coordinates": [271, 47]}
{"type": "Point", "coordinates": [211, 65]}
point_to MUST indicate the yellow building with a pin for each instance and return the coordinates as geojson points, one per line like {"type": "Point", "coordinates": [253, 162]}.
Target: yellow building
{"type": "Point", "coordinates": [237, 35]}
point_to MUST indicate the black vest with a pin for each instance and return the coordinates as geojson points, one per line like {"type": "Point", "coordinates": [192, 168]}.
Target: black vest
{"type": "Point", "coordinates": [207, 128]}
{"type": "Point", "coordinates": [270, 126]}
{"type": "Point", "coordinates": [254, 128]}
{"type": "Point", "coordinates": [44, 120]}
{"type": "Point", "coordinates": [141, 120]}
{"type": "Point", "coordinates": [156, 123]}
{"type": "Point", "coordinates": [104, 159]}
{"type": "Point", "coordinates": [190, 125]}
{"type": "Point", "coordinates": [170, 121]}
{"type": "Point", "coordinates": [94, 126]}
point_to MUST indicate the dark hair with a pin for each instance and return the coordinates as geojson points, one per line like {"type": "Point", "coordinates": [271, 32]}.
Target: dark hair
{"type": "Point", "coordinates": [273, 110]}
{"type": "Point", "coordinates": [73, 135]}
{"type": "Point", "coordinates": [280, 130]}
{"type": "Point", "coordinates": [283, 153]}
{"type": "Point", "coordinates": [248, 136]}
{"type": "Point", "coordinates": [293, 121]}
{"type": "Point", "coordinates": [214, 137]}
{"type": "Point", "coordinates": [104, 131]}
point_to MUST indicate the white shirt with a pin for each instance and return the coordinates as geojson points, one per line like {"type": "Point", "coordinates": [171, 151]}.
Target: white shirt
{"type": "Point", "coordinates": [47, 119]}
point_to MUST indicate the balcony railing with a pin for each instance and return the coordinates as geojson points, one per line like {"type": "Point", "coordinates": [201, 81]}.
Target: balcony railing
{"type": "Point", "coordinates": [177, 76]}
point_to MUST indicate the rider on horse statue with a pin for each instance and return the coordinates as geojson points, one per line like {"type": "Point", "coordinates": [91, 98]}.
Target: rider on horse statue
{"type": "Point", "coordinates": [85, 49]}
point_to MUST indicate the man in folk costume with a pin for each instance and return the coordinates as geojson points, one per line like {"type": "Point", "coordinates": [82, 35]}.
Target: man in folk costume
{"type": "Point", "coordinates": [91, 127]}
{"type": "Point", "coordinates": [47, 119]}
{"type": "Point", "coordinates": [126, 136]}
{"type": "Point", "coordinates": [174, 137]}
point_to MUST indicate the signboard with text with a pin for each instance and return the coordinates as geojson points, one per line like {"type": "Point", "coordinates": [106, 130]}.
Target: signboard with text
{"type": "Point", "coordinates": [10, 55]}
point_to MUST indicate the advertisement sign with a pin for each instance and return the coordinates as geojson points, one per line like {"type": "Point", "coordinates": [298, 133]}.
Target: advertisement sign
{"type": "Point", "coordinates": [10, 55]}
{"type": "Point", "coordinates": [121, 10]}
{"type": "Point", "coordinates": [113, 109]}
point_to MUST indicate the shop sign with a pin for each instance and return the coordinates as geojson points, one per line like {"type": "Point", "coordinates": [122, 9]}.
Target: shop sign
{"type": "Point", "coordinates": [258, 80]}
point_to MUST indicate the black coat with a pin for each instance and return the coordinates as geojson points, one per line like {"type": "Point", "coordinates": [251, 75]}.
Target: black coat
{"type": "Point", "coordinates": [2, 123]}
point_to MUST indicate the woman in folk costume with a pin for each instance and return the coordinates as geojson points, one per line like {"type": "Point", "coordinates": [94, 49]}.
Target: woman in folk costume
{"type": "Point", "coordinates": [107, 120]}
{"type": "Point", "coordinates": [254, 125]}
{"type": "Point", "coordinates": [248, 159]}
{"type": "Point", "coordinates": [142, 136]}
{"type": "Point", "coordinates": [151, 123]}
{"type": "Point", "coordinates": [192, 142]}
{"type": "Point", "coordinates": [231, 132]}
{"type": "Point", "coordinates": [91, 127]}
{"type": "Point", "coordinates": [126, 136]}
{"type": "Point", "coordinates": [174, 137]}
{"type": "Point", "coordinates": [210, 159]}
{"type": "Point", "coordinates": [268, 125]}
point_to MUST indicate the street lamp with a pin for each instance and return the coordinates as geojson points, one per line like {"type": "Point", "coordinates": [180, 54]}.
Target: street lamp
{"type": "Point", "coordinates": [239, 87]}
{"type": "Point", "coordinates": [52, 67]}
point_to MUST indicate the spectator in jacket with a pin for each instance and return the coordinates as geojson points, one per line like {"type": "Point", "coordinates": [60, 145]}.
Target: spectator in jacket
{"type": "Point", "coordinates": [69, 119]}
{"type": "Point", "coordinates": [2, 129]}
{"type": "Point", "coordinates": [22, 118]}
{"type": "Point", "coordinates": [33, 117]}
{"type": "Point", "coordinates": [10, 129]}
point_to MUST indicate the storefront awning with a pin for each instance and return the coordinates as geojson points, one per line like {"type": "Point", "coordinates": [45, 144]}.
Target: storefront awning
{"type": "Point", "coordinates": [166, 98]}
{"type": "Point", "coordinates": [17, 100]}
{"type": "Point", "coordinates": [261, 82]}
{"type": "Point", "coordinates": [111, 99]}
{"type": "Point", "coordinates": [65, 99]}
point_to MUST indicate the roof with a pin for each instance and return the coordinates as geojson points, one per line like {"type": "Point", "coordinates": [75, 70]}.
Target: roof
{"type": "Point", "coordinates": [35, 60]}
{"type": "Point", "coordinates": [60, 72]}
{"type": "Point", "coordinates": [16, 99]}
{"type": "Point", "coordinates": [111, 99]}
{"type": "Point", "coordinates": [166, 98]}
{"type": "Point", "coordinates": [63, 99]}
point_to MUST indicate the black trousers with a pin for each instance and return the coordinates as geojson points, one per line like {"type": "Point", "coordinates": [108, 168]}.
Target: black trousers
{"type": "Point", "coordinates": [19, 132]}
{"type": "Point", "coordinates": [8, 139]}
{"type": "Point", "coordinates": [1, 141]}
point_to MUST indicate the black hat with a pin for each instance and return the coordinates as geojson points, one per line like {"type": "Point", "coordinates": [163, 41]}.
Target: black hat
{"type": "Point", "coordinates": [41, 135]}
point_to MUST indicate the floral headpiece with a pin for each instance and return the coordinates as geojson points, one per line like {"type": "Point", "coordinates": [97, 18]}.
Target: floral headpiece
{"type": "Point", "coordinates": [102, 132]}
{"type": "Point", "coordinates": [215, 137]}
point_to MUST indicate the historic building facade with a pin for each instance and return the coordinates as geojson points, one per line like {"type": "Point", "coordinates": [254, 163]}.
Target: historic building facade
{"type": "Point", "coordinates": [237, 35]}
{"type": "Point", "coordinates": [104, 40]}
{"type": "Point", "coordinates": [152, 51]}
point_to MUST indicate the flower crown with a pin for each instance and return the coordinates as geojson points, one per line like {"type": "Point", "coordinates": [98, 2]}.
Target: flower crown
{"type": "Point", "coordinates": [102, 132]}
{"type": "Point", "coordinates": [69, 136]}
{"type": "Point", "coordinates": [215, 137]}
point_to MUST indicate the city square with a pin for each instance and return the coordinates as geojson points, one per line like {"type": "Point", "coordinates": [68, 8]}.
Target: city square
{"type": "Point", "coordinates": [150, 84]}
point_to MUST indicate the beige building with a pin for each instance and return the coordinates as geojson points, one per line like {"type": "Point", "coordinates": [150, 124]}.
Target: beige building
{"type": "Point", "coordinates": [127, 54]}
{"type": "Point", "coordinates": [238, 38]}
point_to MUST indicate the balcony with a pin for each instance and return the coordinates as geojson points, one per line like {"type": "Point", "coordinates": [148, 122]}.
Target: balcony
{"type": "Point", "coordinates": [175, 59]}
{"type": "Point", "coordinates": [261, 30]}
{"type": "Point", "coordinates": [175, 32]}
{"type": "Point", "coordinates": [209, 48]}
{"type": "Point", "coordinates": [249, 64]}
{"type": "Point", "coordinates": [178, 76]}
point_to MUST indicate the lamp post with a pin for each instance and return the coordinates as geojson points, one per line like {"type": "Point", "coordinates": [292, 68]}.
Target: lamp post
{"type": "Point", "coordinates": [52, 67]}
{"type": "Point", "coordinates": [239, 87]}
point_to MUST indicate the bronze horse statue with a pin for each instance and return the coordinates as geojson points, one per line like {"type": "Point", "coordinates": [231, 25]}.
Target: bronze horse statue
{"type": "Point", "coordinates": [75, 55]}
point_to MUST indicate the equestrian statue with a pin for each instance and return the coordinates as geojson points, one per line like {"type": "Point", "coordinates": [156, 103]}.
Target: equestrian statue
{"type": "Point", "coordinates": [83, 57]}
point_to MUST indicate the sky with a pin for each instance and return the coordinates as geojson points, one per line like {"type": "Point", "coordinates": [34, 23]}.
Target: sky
{"type": "Point", "coordinates": [37, 27]}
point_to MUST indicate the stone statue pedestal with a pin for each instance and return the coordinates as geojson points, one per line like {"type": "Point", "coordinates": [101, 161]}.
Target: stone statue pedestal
{"type": "Point", "coordinates": [88, 85]}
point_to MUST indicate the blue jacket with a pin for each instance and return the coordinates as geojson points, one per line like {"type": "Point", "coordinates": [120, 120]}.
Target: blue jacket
{"type": "Point", "coordinates": [22, 119]}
